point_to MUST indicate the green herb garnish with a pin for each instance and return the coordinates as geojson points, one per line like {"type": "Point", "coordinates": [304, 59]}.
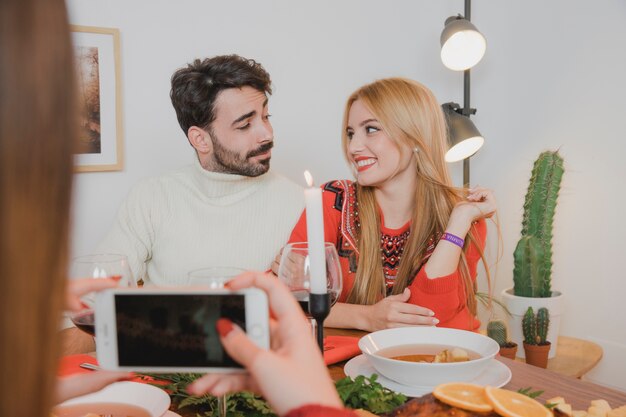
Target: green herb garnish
{"type": "Point", "coordinates": [528, 391]}
{"type": "Point", "coordinates": [534, 394]}
{"type": "Point", "coordinates": [361, 392]}
{"type": "Point", "coordinates": [368, 394]}
{"type": "Point", "coordinates": [241, 404]}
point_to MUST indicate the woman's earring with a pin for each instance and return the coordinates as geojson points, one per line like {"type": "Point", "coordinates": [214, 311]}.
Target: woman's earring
{"type": "Point", "coordinates": [416, 149]}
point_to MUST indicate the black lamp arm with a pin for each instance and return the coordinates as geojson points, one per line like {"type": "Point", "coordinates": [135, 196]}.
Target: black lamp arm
{"type": "Point", "coordinates": [458, 109]}
{"type": "Point", "coordinates": [453, 18]}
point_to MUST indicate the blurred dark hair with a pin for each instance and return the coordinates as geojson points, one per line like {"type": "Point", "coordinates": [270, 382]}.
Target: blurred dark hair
{"type": "Point", "coordinates": [196, 86]}
{"type": "Point", "coordinates": [38, 132]}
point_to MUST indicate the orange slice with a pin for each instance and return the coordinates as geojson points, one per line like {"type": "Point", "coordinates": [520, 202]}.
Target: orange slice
{"type": "Point", "coordinates": [513, 404]}
{"type": "Point", "coordinates": [469, 397]}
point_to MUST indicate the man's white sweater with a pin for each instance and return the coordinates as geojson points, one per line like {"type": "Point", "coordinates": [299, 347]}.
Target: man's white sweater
{"type": "Point", "coordinates": [193, 218]}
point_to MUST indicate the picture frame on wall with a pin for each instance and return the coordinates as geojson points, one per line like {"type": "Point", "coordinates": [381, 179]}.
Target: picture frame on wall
{"type": "Point", "coordinates": [97, 52]}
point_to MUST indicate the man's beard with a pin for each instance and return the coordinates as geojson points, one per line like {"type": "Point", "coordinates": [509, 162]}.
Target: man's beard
{"type": "Point", "coordinates": [230, 162]}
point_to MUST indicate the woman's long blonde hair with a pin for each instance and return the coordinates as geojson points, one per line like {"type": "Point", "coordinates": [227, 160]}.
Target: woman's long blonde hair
{"type": "Point", "coordinates": [410, 116]}
{"type": "Point", "coordinates": [37, 135]}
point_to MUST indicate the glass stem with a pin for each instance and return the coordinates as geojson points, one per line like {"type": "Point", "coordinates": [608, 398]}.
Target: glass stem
{"type": "Point", "coordinates": [221, 405]}
{"type": "Point", "coordinates": [313, 324]}
{"type": "Point", "coordinates": [320, 337]}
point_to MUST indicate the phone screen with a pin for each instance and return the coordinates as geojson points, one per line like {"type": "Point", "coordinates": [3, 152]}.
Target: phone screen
{"type": "Point", "coordinates": [175, 330]}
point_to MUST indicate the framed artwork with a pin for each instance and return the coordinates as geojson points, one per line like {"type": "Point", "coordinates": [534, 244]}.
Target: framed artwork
{"type": "Point", "coordinates": [97, 52]}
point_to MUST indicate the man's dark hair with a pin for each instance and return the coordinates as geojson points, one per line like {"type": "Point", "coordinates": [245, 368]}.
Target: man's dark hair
{"type": "Point", "coordinates": [196, 86]}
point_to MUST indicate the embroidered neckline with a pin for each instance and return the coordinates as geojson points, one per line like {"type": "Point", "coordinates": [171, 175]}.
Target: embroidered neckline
{"type": "Point", "coordinates": [348, 204]}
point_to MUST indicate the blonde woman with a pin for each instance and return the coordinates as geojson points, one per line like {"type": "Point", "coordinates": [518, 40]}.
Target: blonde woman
{"type": "Point", "coordinates": [409, 242]}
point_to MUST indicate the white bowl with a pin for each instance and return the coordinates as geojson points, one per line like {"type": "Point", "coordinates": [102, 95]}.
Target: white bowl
{"type": "Point", "coordinates": [152, 400]}
{"type": "Point", "coordinates": [428, 374]}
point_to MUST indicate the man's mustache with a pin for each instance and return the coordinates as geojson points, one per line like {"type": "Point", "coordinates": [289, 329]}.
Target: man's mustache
{"type": "Point", "coordinates": [261, 150]}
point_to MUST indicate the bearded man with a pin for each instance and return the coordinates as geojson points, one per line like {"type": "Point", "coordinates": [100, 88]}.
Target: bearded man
{"type": "Point", "coordinates": [227, 208]}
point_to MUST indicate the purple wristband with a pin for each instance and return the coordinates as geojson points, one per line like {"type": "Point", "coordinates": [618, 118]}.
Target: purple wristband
{"type": "Point", "coordinates": [453, 239]}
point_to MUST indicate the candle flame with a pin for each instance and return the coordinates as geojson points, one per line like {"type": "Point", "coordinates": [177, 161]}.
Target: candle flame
{"type": "Point", "coordinates": [308, 178]}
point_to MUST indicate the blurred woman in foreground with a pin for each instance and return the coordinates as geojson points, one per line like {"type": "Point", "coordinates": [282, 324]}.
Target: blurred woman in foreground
{"type": "Point", "coordinates": [37, 136]}
{"type": "Point", "coordinates": [38, 131]}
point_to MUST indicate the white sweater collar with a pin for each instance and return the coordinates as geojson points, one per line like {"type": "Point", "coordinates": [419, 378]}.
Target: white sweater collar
{"type": "Point", "coordinates": [216, 185]}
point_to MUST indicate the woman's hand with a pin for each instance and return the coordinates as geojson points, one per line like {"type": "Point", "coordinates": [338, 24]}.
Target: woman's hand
{"type": "Point", "coordinates": [289, 375]}
{"type": "Point", "coordinates": [479, 204]}
{"type": "Point", "coordinates": [394, 311]}
{"type": "Point", "coordinates": [78, 287]}
{"type": "Point", "coordinates": [76, 385]}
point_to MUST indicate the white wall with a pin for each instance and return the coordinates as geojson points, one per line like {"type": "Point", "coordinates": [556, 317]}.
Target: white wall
{"type": "Point", "coordinates": [561, 85]}
{"type": "Point", "coordinates": [552, 78]}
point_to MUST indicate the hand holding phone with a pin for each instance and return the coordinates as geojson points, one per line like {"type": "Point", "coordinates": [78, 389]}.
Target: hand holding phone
{"type": "Point", "coordinates": [81, 384]}
{"type": "Point", "coordinates": [174, 330]}
{"type": "Point", "coordinates": [290, 375]}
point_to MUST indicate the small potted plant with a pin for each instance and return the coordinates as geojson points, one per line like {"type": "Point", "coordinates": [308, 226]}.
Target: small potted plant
{"type": "Point", "coordinates": [535, 328]}
{"type": "Point", "coordinates": [533, 254]}
{"type": "Point", "coordinates": [496, 329]}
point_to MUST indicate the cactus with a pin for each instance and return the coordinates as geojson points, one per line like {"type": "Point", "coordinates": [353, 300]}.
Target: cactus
{"type": "Point", "coordinates": [543, 324]}
{"type": "Point", "coordinates": [496, 329]}
{"type": "Point", "coordinates": [528, 267]}
{"type": "Point", "coordinates": [535, 327]}
{"type": "Point", "coordinates": [529, 327]}
{"type": "Point", "coordinates": [533, 259]}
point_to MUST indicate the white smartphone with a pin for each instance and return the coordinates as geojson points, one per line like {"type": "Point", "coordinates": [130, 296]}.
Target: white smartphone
{"type": "Point", "coordinates": [173, 330]}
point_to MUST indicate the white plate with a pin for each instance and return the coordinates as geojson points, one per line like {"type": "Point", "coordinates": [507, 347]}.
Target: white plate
{"type": "Point", "coordinates": [152, 399]}
{"type": "Point", "coordinates": [170, 413]}
{"type": "Point", "coordinates": [497, 374]}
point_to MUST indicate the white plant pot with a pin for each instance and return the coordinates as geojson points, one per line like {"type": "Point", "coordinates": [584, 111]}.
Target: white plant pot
{"type": "Point", "coordinates": [518, 306]}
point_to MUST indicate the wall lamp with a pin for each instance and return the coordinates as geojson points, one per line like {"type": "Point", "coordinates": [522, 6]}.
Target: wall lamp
{"type": "Point", "coordinates": [464, 138]}
{"type": "Point", "coordinates": [462, 47]}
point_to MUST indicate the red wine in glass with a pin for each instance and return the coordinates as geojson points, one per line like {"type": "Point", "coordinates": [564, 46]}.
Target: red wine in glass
{"type": "Point", "coordinates": [303, 299]}
{"type": "Point", "coordinates": [85, 321]}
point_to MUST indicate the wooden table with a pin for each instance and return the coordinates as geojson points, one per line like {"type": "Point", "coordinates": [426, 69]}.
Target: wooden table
{"type": "Point", "coordinates": [576, 392]}
{"type": "Point", "coordinates": [574, 357]}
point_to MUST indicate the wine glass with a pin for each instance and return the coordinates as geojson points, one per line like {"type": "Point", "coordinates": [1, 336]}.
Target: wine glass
{"type": "Point", "coordinates": [97, 266]}
{"type": "Point", "coordinates": [294, 272]}
{"type": "Point", "coordinates": [214, 278]}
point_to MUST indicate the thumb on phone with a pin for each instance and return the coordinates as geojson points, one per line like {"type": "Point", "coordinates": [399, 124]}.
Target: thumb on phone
{"type": "Point", "coordinates": [236, 342]}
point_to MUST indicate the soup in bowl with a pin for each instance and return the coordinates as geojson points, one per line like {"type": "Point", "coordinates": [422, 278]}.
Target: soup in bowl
{"type": "Point", "coordinates": [428, 356]}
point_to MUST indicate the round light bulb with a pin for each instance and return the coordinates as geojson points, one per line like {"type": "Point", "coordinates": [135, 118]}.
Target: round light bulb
{"type": "Point", "coordinates": [464, 149]}
{"type": "Point", "coordinates": [462, 45]}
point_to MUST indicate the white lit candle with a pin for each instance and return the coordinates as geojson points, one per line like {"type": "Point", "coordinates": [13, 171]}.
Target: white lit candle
{"type": "Point", "coordinates": [315, 236]}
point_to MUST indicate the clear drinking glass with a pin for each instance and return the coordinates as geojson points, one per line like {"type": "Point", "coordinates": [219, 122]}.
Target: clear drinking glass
{"type": "Point", "coordinates": [294, 272]}
{"type": "Point", "coordinates": [97, 266]}
{"type": "Point", "coordinates": [214, 278]}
